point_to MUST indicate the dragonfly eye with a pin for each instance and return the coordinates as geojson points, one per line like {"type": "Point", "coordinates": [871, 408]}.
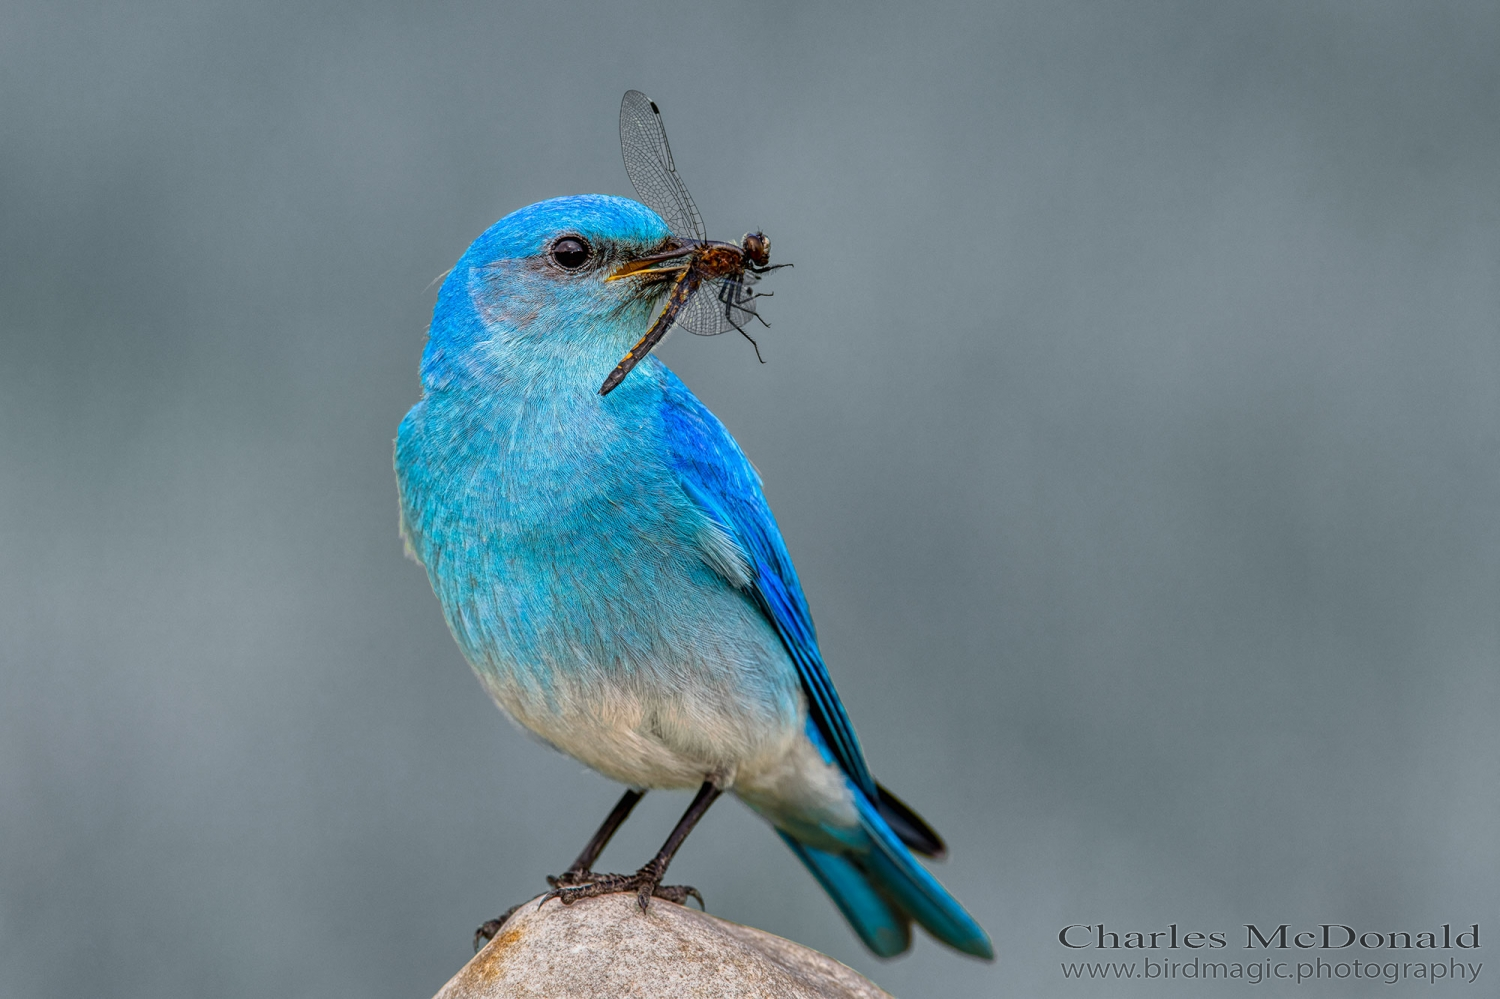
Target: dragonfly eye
{"type": "Point", "coordinates": [757, 247]}
{"type": "Point", "coordinates": [570, 253]}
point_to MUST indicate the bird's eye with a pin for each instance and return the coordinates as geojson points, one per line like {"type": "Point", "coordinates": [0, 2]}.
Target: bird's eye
{"type": "Point", "coordinates": [570, 252]}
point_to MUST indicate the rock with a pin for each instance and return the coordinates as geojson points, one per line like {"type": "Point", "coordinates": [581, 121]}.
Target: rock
{"type": "Point", "coordinates": [607, 947]}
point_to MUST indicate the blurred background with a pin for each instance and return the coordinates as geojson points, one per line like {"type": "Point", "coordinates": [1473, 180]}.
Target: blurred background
{"type": "Point", "coordinates": [1132, 413]}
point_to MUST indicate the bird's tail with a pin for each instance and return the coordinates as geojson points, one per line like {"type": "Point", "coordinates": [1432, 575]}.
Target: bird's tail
{"type": "Point", "coordinates": [881, 890]}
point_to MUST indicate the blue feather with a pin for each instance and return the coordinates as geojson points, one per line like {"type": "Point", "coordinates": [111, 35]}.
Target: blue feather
{"type": "Point", "coordinates": [885, 929]}
{"type": "Point", "coordinates": [717, 475]}
{"type": "Point", "coordinates": [881, 888]}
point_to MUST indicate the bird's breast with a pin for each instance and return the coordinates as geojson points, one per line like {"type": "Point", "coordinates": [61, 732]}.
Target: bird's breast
{"type": "Point", "coordinates": [561, 540]}
{"type": "Point", "coordinates": [566, 558]}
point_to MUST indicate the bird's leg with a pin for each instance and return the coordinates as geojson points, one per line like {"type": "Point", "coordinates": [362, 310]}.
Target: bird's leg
{"type": "Point", "coordinates": [583, 867]}
{"type": "Point", "coordinates": [650, 876]}
{"type": "Point", "coordinates": [646, 882]}
{"type": "Point", "coordinates": [580, 872]}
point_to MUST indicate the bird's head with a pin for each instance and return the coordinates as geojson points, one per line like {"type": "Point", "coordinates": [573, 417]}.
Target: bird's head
{"type": "Point", "coordinates": [533, 297]}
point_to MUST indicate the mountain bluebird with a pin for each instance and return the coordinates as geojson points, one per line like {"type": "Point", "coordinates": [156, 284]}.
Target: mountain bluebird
{"type": "Point", "coordinates": [612, 572]}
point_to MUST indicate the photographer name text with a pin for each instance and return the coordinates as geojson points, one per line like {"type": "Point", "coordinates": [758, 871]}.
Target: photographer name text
{"type": "Point", "coordinates": [1320, 936]}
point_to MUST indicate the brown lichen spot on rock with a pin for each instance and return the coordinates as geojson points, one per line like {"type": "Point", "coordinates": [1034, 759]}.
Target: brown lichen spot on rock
{"type": "Point", "coordinates": [488, 965]}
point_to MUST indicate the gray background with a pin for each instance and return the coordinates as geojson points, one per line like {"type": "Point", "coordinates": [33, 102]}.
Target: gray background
{"type": "Point", "coordinates": [1131, 413]}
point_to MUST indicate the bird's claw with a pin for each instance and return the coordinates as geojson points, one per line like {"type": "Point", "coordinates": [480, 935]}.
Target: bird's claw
{"type": "Point", "coordinates": [677, 893]}
{"type": "Point", "coordinates": [489, 928]}
{"type": "Point", "coordinates": [646, 883]}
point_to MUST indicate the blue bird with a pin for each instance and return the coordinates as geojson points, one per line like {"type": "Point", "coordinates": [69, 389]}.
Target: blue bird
{"type": "Point", "coordinates": [610, 568]}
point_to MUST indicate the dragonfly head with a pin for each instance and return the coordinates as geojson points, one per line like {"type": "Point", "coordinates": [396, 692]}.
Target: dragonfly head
{"type": "Point", "coordinates": [757, 248]}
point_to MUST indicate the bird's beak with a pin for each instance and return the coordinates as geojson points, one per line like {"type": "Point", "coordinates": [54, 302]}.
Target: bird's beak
{"type": "Point", "coordinates": [658, 265]}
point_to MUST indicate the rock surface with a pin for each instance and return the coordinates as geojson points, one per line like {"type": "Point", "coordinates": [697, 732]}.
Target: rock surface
{"type": "Point", "coordinates": [607, 947]}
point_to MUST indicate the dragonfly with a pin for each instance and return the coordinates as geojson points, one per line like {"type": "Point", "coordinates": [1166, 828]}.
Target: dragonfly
{"type": "Point", "coordinates": [713, 282]}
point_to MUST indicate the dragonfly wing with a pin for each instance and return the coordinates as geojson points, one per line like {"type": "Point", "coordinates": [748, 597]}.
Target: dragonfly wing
{"type": "Point", "coordinates": [720, 305]}
{"type": "Point", "coordinates": [648, 162]}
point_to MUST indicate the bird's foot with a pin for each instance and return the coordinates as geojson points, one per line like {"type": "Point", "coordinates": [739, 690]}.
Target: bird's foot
{"type": "Point", "coordinates": [488, 929]}
{"type": "Point", "coordinates": [572, 876]}
{"type": "Point", "coordinates": [574, 884]}
{"type": "Point", "coordinates": [646, 883]}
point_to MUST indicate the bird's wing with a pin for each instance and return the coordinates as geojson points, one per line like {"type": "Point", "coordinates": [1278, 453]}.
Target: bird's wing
{"type": "Point", "coordinates": [720, 480]}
